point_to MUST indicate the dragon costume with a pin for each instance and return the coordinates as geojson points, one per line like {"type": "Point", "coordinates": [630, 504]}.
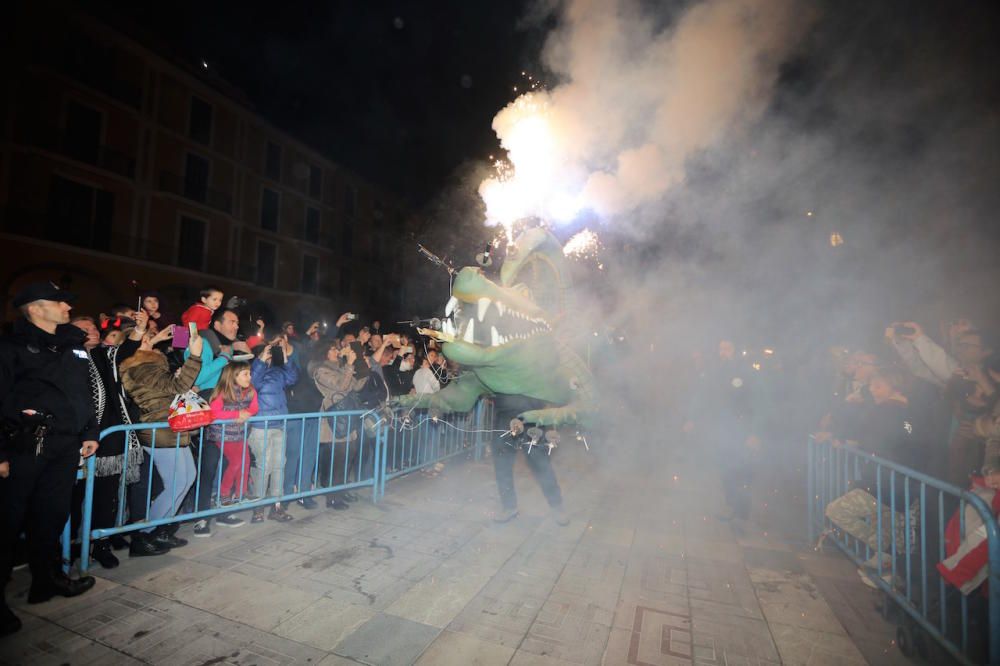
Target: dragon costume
{"type": "Point", "coordinates": [514, 337]}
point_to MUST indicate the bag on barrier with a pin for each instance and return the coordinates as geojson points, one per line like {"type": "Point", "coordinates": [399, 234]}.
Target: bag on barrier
{"type": "Point", "coordinates": [967, 565]}
{"type": "Point", "coordinates": [189, 411]}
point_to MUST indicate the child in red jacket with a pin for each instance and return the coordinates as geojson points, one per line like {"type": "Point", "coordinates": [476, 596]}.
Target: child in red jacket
{"type": "Point", "coordinates": [233, 398]}
{"type": "Point", "coordinates": [201, 313]}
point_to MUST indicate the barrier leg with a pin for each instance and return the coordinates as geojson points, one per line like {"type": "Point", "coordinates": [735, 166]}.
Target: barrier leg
{"type": "Point", "coordinates": [67, 541]}
{"type": "Point", "coordinates": [88, 508]}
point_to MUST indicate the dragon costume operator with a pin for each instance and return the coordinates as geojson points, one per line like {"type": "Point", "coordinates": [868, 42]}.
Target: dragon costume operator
{"type": "Point", "coordinates": [514, 343]}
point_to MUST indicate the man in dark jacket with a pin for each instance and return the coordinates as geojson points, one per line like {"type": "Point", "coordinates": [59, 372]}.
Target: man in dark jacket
{"type": "Point", "coordinates": [48, 422]}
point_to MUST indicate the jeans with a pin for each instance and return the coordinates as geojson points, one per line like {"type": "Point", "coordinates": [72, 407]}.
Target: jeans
{"type": "Point", "coordinates": [176, 467]}
{"type": "Point", "coordinates": [301, 444]}
{"type": "Point", "coordinates": [207, 474]}
{"type": "Point", "coordinates": [540, 464]}
{"type": "Point", "coordinates": [539, 460]}
{"type": "Point", "coordinates": [268, 446]}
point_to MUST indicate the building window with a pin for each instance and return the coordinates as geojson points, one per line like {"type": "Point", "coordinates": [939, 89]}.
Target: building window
{"type": "Point", "coordinates": [310, 274]}
{"type": "Point", "coordinates": [312, 225]}
{"type": "Point", "coordinates": [350, 201]}
{"type": "Point", "coordinates": [272, 161]}
{"type": "Point", "coordinates": [191, 244]}
{"type": "Point", "coordinates": [83, 132]}
{"type": "Point", "coordinates": [345, 281]}
{"type": "Point", "coordinates": [267, 255]}
{"type": "Point", "coordinates": [269, 206]}
{"type": "Point", "coordinates": [196, 177]}
{"type": "Point", "coordinates": [200, 121]}
{"type": "Point", "coordinates": [79, 215]}
{"type": "Point", "coordinates": [315, 181]}
{"type": "Point", "coordinates": [347, 240]}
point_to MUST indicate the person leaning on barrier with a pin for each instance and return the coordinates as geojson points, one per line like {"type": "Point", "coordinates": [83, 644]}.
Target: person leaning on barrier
{"type": "Point", "coordinates": [152, 386]}
{"type": "Point", "coordinates": [48, 423]}
{"type": "Point", "coordinates": [894, 433]}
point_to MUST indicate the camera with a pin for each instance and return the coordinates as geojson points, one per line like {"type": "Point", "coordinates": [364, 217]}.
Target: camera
{"type": "Point", "coordinates": [236, 302]}
{"type": "Point", "coordinates": [277, 355]}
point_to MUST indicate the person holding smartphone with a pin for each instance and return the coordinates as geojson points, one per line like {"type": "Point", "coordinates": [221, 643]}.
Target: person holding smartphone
{"type": "Point", "coordinates": [272, 375]}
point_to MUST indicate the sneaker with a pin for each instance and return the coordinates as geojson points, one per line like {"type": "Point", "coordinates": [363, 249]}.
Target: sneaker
{"type": "Point", "coordinates": [505, 515]}
{"type": "Point", "coordinates": [230, 520]}
{"type": "Point", "coordinates": [202, 528]}
{"type": "Point", "coordinates": [337, 504]}
{"type": "Point", "coordinates": [307, 503]}
{"type": "Point", "coordinates": [258, 517]}
{"type": "Point", "coordinates": [279, 514]}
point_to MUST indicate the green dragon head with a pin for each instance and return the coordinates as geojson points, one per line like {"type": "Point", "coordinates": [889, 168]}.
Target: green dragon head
{"type": "Point", "coordinates": [525, 304]}
{"type": "Point", "coordinates": [508, 336]}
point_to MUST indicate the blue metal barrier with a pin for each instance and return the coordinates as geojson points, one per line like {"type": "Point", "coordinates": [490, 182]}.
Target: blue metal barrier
{"type": "Point", "coordinates": [416, 438]}
{"type": "Point", "coordinates": [914, 582]}
{"type": "Point", "coordinates": [366, 449]}
{"type": "Point", "coordinates": [352, 460]}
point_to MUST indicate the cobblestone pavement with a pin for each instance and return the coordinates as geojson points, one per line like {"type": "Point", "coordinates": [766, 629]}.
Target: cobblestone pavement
{"type": "Point", "coordinates": [644, 574]}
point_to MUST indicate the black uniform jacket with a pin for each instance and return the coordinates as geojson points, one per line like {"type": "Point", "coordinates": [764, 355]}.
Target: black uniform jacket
{"type": "Point", "coordinates": [48, 373]}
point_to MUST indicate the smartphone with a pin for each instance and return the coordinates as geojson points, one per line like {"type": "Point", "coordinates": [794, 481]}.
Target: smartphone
{"type": "Point", "coordinates": [181, 337]}
{"type": "Point", "coordinates": [351, 316]}
{"type": "Point", "coordinates": [902, 329]}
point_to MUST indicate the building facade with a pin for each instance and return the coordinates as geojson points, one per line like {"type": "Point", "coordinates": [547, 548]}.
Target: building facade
{"type": "Point", "coordinates": [123, 170]}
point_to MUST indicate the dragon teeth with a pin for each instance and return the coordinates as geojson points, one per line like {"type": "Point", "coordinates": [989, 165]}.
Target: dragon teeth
{"type": "Point", "coordinates": [495, 336]}
{"type": "Point", "coordinates": [501, 307]}
{"type": "Point", "coordinates": [448, 327]}
{"type": "Point", "coordinates": [470, 335]}
{"type": "Point", "coordinates": [484, 305]}
{"type": "Point", "coordinates": [448, 309]}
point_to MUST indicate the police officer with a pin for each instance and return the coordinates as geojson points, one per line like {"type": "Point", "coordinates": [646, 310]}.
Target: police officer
{"type": "Point", "coordinates": [47, 422]}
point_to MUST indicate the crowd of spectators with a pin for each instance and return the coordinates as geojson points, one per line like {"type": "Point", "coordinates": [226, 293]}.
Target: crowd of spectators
{"type": "Point", "coordinates": [930, 405]}
{"type": "Point", "coordinates": [139, 360]}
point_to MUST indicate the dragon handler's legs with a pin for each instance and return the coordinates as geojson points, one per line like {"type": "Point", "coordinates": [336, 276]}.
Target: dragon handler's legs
{"type": "Point", "coordinates": [503, 468]}
{"type": "Point", "coordinates": [505, 447]}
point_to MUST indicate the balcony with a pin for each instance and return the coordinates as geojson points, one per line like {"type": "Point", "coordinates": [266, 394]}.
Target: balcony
{"type": "Point", "coordinates": [195, 191]}
{"type": "Point", "coordinates": [102, 157]}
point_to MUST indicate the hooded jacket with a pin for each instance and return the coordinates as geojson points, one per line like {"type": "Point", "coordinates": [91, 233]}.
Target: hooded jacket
{"type": "Point", "coordinates": [50, 373]}
{"type": "Point", "coordinates": [271, 382]}
{"type": "Point", "coordinates": [148, 381]}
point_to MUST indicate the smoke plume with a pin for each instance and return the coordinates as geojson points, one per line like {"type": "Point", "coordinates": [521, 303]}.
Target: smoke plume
{"type": "Point", "coordinates": [635, 100]}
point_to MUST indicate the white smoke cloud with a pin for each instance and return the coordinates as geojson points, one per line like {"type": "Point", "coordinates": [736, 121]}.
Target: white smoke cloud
{"type": "Point", "coordinates": [635, 102]}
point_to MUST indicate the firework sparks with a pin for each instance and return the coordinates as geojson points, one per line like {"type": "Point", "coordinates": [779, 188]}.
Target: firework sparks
{"type": "Point", "coordinates": [583, 244]}
{"type": "Point", "coordinates": [532, 181]}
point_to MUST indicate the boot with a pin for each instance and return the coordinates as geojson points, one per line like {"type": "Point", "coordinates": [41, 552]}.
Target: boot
{"type": "Point", "coordinates": [56, 582]}
{"type": "Point", "coordinates": [143, 545]}
{"type": "Point", "coordinates": [9, 623]}
{"type": "Point", "coordinates": [102, 553]}
{"type": "Point", "coordinates": [118, 542]}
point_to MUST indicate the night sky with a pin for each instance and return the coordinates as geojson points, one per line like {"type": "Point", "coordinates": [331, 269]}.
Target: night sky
{"type": "Point", "coordinates": [401, 92]}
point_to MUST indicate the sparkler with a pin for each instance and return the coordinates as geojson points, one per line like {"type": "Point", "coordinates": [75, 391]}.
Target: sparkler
{"type": "Point", "coordinates": [583, 244]}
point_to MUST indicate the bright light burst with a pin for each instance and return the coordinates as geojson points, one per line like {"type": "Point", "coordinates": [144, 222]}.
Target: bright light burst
{"type": "Point", "coordinates": [583, 244]}
{"type": "Point", "coordinates": [532, 181]}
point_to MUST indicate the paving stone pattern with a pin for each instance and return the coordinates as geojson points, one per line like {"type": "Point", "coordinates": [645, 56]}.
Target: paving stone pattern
{"type": "Point", "coordinates": [645, 574]}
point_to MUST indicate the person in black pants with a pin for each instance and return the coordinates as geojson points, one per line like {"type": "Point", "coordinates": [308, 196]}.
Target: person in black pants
{"type": "Point", "coordinates": [505, 448]}
{"type": "Point", "coordinates": [48, 423]}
